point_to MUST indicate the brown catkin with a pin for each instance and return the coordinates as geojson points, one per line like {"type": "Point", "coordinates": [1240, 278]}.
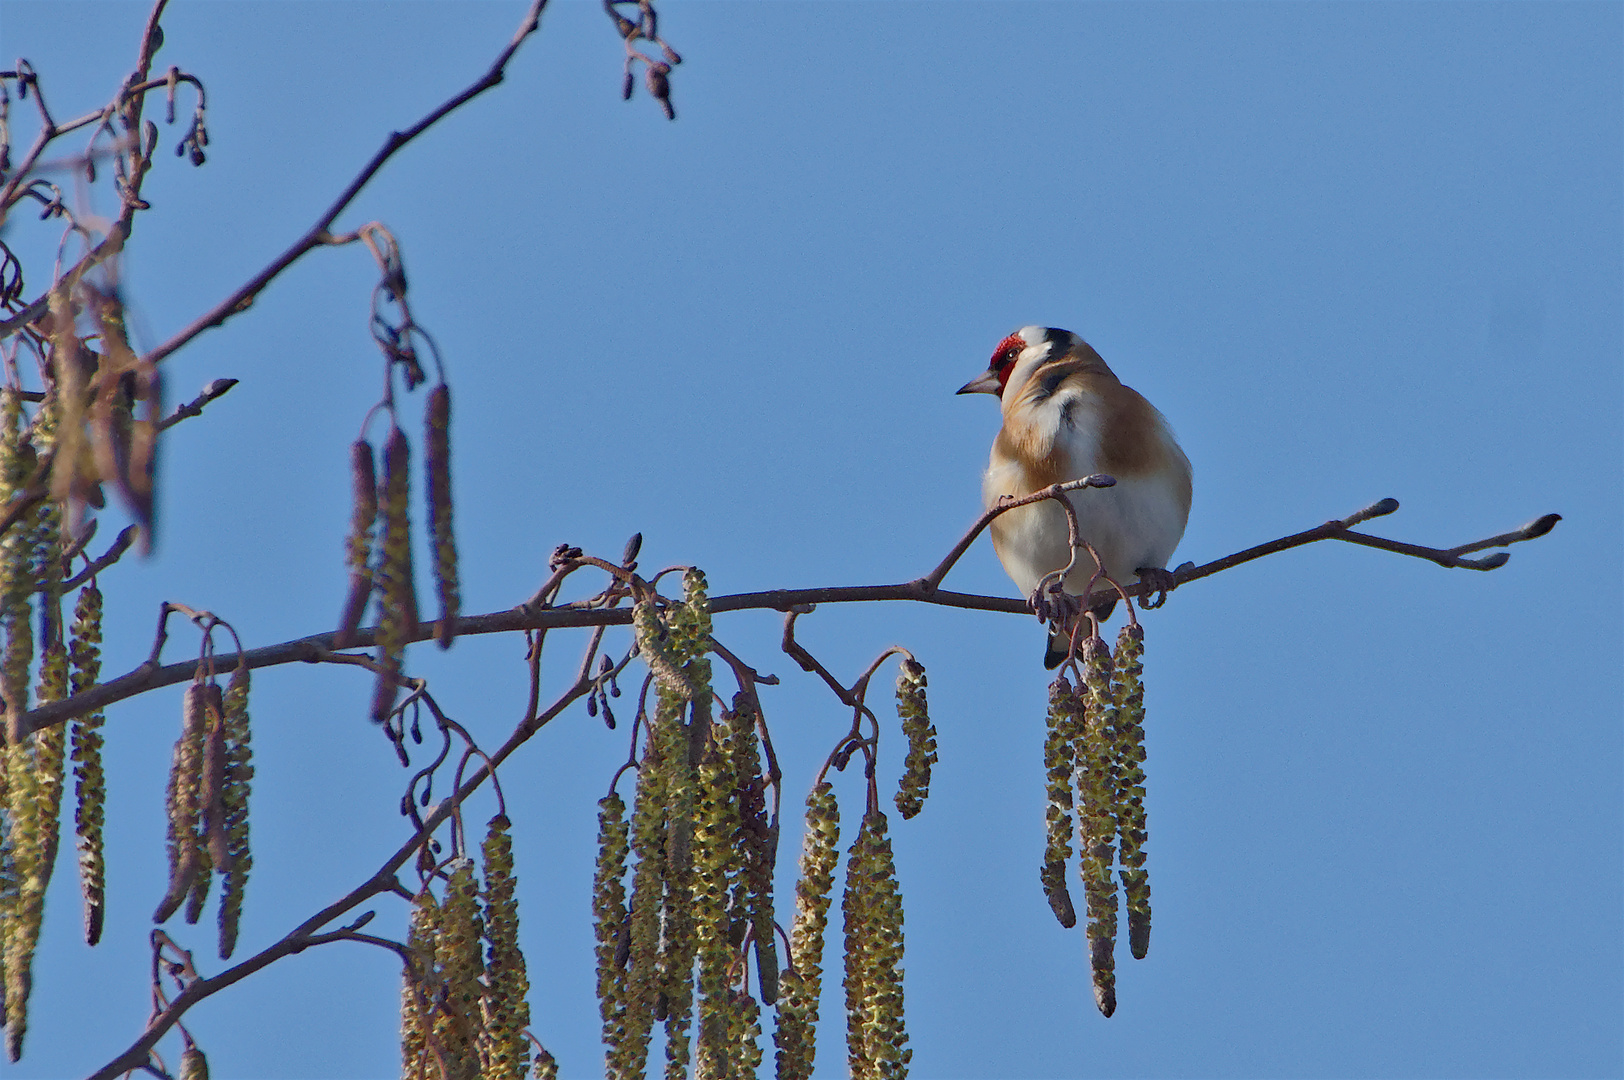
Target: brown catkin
{"type": "Point", "coordinates": [1059, 762]}
{"type": "Point", "coordinates": [358, 544]}
{"type": "Point", "coordinates": [180, 801]}
{"type": "Point", "coordinates": [90, 784]}
{"type": "Point", "coordinates": [1096, 788]}
{"type": "Point", "coordinates": [921, 733]}
{"type": "Point", "coordinates": [437, 462]}
{"type": "Point", "coordinates": [610, 920]}
{"type": "Point", "coordinates": [1129, 693]}
{"type": "Point", "coordinates": [239, 774]}
{"type": "Point", "coordinates": [397, 595]}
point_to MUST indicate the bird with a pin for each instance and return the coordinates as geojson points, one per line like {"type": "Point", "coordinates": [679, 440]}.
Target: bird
{"type": "Point", "coordinates": [1067, 416]}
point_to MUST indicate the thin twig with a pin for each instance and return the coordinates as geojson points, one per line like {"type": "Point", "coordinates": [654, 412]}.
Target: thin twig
{"type": "Point", "coordinates": [317, 234]}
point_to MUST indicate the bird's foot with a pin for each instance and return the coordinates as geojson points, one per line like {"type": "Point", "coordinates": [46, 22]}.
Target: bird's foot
{"type": "Point", "coordinates": [1156, 580]}
{"type": "Point", "coordinates": [1053, 604]}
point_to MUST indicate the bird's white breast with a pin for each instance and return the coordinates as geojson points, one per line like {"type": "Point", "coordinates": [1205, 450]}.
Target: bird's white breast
{"type": "Point", "coordinates": [1137, 523]}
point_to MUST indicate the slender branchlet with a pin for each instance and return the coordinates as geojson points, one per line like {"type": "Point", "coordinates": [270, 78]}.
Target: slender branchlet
{"type": "Point", "coordinates": [505, 1051]}
{"type": "Point", "coordinates": [437, 463]}
{"type": "Point", "coordinates": [802, 985]}
{"type": "Point", "coordinates": [921, 733]}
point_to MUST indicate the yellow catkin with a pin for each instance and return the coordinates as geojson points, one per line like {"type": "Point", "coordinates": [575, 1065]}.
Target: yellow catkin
{"type": "Point", "coordinates": [1059, 763]}
{"type": "Point", "coordinates": [872, 905]}
{"type": "Point", "coordinates": [90, 784]}
{"type": "Point", "coordinates": [1129, 696]}
{"type": "Point", "coordinates": [648, 831]}
{"type": "Point", "coordinates": [716, 864]}
{"type": "Point", "coordinates": [1096, 789]}
{"type": "Point", "coordinates": [437, 463]}
{"type": "Point", "coordinates": [921, 734]}
{"type": "Point", "coordinates": [193, 1065]}
{"type": "Point", "coordinates": [458, 1016]}
{"type": "Point", "coordinates": [802, 985]}
{"type": "Point", "coordinates": [506, 1052]}
{"type": "Point", "coordinates": [610, 920]}
{"type": "Point", "coordinates": [239, 774]}
{"type": "Point", "coordinates": [358, 544]}
{"type": "Point", "coordinates": [419, 989]}
{"type": "Point", "coordinates": [758, 846]}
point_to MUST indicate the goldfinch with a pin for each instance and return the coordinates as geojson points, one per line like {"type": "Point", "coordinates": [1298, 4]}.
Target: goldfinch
{"type": "Point", "coordinates": [1066, 416]}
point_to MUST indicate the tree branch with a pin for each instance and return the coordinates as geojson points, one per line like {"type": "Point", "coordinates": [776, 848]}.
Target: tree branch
{"type": "Point", "coordinates": [317, 234]}
{"type": "Point", "coordinates": [583, 613]}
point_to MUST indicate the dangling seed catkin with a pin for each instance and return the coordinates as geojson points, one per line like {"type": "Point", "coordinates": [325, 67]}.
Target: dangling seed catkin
{"type": "Point", "coordinates": [437, 460]}
{"type": "Point", "coordinates": [1097, 821]}
{"type": "Point", "coordinates": [90, 784]}
{"type": "Point", "coordinates": [1059, 762]}
{"type": "Point", "coordinates": [397, 594]}
{"type": "Point", "coordinates": [180, 802]}
{"type": "Point", "coordinates": [239, 772]}
{"type": "Point", "coordinates": [358, 544]}
{"type": "Point", "coordinates": [1129, 695]}
{"type": "Point", "coordinates": [506, 1012]}
{"type": "Point", "coordinates": [802, 986]}
{"type": "Point", "coordinates": [921, 733]}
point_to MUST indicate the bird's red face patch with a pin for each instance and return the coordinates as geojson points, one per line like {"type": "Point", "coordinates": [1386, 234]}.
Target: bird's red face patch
{"type": "Point", "coordinates": [1003, 357]}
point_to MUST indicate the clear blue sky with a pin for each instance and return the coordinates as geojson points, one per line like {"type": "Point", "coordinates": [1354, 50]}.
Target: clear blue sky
{"type": "Point", "coordinates": [1351, 251]}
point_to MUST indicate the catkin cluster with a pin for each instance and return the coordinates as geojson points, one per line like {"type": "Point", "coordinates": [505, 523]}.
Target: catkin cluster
{"type": "Point", "coordinates": [32, 763]}
{"type": "Point", "coordinates": [675, 949]}
{"type": "Point", "coordinates": [378, 547]}
{"type": "Point", "coordinates": [463, 1000]}
{"type": "Point", "coordinates": [1093, 757]}
{"type": "Point", "coordinates": [206, 801]}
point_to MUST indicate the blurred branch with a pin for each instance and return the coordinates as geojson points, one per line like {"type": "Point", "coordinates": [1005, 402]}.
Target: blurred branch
{"type": "Point", "coordinates": [192, 408]}
{"type": "Point", "coordinates": [587, 613]}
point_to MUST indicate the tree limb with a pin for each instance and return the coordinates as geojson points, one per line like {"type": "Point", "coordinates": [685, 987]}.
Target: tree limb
{"type": "Point", "coordinates": [150, 675]}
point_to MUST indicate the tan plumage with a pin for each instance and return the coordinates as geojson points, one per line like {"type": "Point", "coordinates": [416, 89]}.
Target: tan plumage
{"type": "Point", "coordinates": [1066, 415]}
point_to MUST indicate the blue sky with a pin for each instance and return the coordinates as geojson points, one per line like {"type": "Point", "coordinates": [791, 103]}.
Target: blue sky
{"type": "Point", "coordinates": [1351, 251]}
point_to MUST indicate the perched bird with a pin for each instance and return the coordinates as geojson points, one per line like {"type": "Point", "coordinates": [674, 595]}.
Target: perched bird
{"type": "Point", "coordinates": [1066, 416]}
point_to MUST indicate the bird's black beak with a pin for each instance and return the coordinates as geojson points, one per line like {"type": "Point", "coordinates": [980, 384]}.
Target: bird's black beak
{"type": "Point", "coordinates": [985, 383]}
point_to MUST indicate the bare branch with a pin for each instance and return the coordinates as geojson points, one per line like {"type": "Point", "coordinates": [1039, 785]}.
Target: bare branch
{"type": "Point", "coordinates": [317, 234]}
{"type": "Point", "coordinates": [150, 676]}
{"type": "Point", "coordinates": [192, 408]}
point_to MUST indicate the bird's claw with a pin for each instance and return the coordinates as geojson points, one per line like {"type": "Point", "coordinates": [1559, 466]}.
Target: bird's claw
{"type": "Point", "coordinates": [1156, 580]}
{"type": "Point", "coordinates": [1054, 605]}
